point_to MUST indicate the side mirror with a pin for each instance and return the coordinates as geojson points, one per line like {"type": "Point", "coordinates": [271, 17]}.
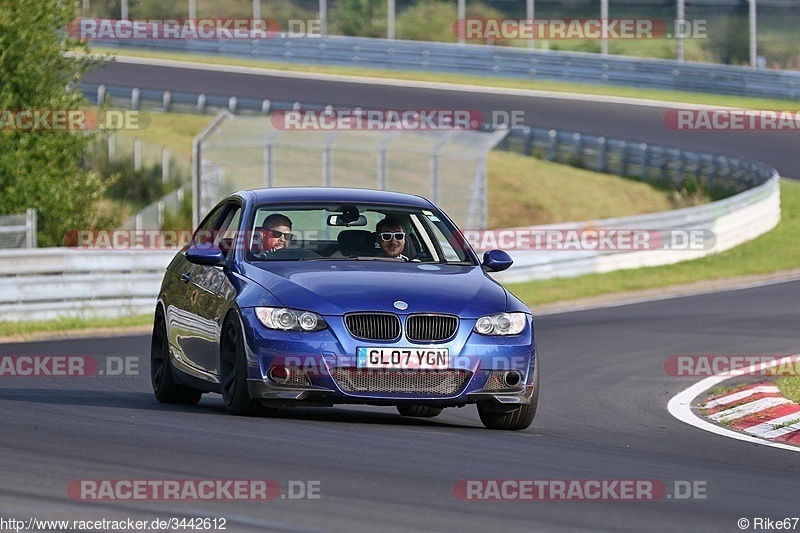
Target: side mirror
{"type": "Point", "coordinates": [496, 260]}
{"type": "Point", "coordinates": [205, 254]}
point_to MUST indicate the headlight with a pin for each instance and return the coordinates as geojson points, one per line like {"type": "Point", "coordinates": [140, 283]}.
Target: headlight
{"type": "Point", "coordinates": [501, 324]}
{"type": "Point", "coordinates": [285, 319]}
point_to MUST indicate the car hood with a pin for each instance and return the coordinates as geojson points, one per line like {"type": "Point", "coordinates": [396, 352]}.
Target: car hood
{"type": "Point", "coordinates": [338, 287]}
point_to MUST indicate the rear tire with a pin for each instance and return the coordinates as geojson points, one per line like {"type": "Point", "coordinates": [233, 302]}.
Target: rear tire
{"type": "Point", "coordinates": [421, 411]}
{"type": "Point", "coordinates": [516, 419]}
{"type": "Point", "coordinates": [164, 387]}
{"type": "Point", "coordinates": [233, 373]}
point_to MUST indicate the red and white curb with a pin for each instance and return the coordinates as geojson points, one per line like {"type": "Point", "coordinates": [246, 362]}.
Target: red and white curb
{"type": "Point", "coordinates": [759, 412]}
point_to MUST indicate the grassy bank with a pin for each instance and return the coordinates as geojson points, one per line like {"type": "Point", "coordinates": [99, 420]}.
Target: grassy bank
{"type": "Point", "coordinates": [775, 251]}
{"type": "Point", "coordinates": [24, 329]}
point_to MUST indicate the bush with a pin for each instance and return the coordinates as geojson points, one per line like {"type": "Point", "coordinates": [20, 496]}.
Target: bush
{"type": "Point", "coordinates": [137, 187]}
{"type": "Point", "coordinates": [729, 40]}
{"type": "Point", "coordinates": [435, 21]}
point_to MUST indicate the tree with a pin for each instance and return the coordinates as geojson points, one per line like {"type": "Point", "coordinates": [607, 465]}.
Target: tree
{"type": "Point", "coordinates": [730, 40]}
{"type": "Point", "coordinates": [44, 169]}
{"type": "Point", "coordinates": [362, 18]}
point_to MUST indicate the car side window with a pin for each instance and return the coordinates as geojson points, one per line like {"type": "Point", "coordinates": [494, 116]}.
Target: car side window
{"type": "Point", "coordinates": [220, 227]}
{"type": "Point", "coordinates": [227, 229]}
{"type": "Point", "coordinates": [204, 232]}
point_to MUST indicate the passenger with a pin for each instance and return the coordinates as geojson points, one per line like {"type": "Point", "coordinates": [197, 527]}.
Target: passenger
{"type": "Point", "coordinates": [391, 238]}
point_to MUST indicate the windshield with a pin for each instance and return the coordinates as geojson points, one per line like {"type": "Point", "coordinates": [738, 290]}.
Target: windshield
{"type": "Point", "coordinates": [349, 232]}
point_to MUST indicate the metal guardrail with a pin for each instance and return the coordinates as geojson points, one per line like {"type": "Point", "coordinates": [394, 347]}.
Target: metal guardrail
{"type": "Point", "coordinates": [48, 283]}
{"type": "Point", "coordinates": [496, 61]}
{"type": "Point", "coordinates": [717, 174]}
{"type": "Point", "coordinates": [731, 221]}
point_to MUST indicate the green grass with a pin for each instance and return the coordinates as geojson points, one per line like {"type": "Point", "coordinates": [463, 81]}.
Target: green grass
{"type": "Point", "coordinates": [790, 387]}
{"type": "Point", "coordinates": [525, 191]}
{"type": "Point", "coordinates": [772, 252]}
{"type": "Point", "coordinates": [722, 390]}
{"type": "Point", "coordinates": [583, 88]}
{"type": "Point", "coordinates": [173, 130]}
{"type": "Point", "coordinates": [71, 323]}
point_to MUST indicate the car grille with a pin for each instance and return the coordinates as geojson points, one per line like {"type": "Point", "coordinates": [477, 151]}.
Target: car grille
{"type": "Point", "coordinates": [373, 326]}
{"type": "Point", "coordinates": [431, 327]}
{"type": "Point", "coordinates": [386, 327]}
{"type": "Point", "coordinates": [440, 382]}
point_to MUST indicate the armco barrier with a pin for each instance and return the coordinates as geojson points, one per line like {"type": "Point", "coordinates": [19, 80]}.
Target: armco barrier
{"type": "Point", "coordinates": [50, 282]}
{"type": "Point", "coordinates": [732, 221]}
{"type": "Point", "coordinates": [496, 61]}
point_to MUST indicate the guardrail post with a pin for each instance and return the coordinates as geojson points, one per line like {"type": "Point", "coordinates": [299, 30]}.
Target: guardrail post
{"type": "Point", "coordinates": [602, 154]}
{"type": "Point", "coordinates": [433, 175]}
{"type": "Point", "coordinates": [645, 160]}
{"type": "Point", "coordinates": [232, 101]}
{"type": "Point", "coordinates": [327, 166]}
{"type": "Point", "coordinates": [553, 151]}
{"type": "Point", "coordinates": [265, 106]}
{"type": "Point", "coordinates": [135, 93]}
{"type": "Point", "coordinates": [112, 146]}
{"type": "Point", "coordinates": [167, 100]}
{"type": "Point", "coordinates": [382, 167]}
{"type": "Point", "coordinates": [137, 154]}
{"type": "Point", "coordinates": [623, 159]}
{"type": "Point", "coordinates": [164, 164]}
{"type": "Point", "coordinates": [483, 211]}
{"type": "Point", "coordinates": [578, 148]}
{"type": "Point", "coordinates": [268, 164]}
{"type": "Point", "coordinates": [201, 104]}
{"type": "Point", "coordinates": [30, 228]}
{"type": "Point", "coordinates": [528, 140]}
{"type": "Point", "coordinates": [160, 206]}
{"type": "Point", "coordinates": [101, 95]}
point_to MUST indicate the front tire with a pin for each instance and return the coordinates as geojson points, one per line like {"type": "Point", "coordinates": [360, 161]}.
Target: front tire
{"type": "Point", "coordinates": [516, 419]}
{"type": "Point", "coordinates": [164, 387]}
{"type": "Point", "coordinates": [421, 411]}
{"type": "Point", "coordinates": [233, 372]}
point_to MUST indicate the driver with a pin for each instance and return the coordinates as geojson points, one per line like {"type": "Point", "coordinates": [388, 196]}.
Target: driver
{"type": "Point", "coordinates": [275, 232]}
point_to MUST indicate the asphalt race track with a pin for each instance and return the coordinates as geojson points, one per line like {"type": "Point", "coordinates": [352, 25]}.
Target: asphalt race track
{"type": "Point", "coordinates": [639, 123]}
{"type": "Point", "coordinates": [602, 416]}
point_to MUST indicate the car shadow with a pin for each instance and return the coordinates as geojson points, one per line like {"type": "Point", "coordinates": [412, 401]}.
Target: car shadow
{"type": "Point", "coordinates": [212, 404]}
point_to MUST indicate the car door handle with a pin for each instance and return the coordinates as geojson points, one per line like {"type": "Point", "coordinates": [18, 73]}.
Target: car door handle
{"type": "Point", "coordinates": [186, 277]}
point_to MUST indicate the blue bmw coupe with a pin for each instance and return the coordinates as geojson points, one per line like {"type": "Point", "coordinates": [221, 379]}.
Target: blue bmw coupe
{"type": "Point", "coordinates": [321, 296]}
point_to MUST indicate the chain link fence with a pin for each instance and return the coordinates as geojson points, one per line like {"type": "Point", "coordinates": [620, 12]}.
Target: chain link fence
{"type": "Point", "coordinates": [240, 152]}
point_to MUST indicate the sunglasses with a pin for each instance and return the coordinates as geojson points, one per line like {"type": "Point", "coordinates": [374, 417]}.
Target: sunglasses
{"type": "Point", "coordinates": [278, 234]}
{"type": "Point", "coordinates": [387, 236]}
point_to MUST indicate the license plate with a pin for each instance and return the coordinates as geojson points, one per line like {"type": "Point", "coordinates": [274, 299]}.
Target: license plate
{"type": "Point", "coordinates": [403, 358]}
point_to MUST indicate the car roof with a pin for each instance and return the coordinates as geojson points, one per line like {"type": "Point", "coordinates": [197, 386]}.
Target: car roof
{"type": "Point", "coordinates": [332, 194]}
